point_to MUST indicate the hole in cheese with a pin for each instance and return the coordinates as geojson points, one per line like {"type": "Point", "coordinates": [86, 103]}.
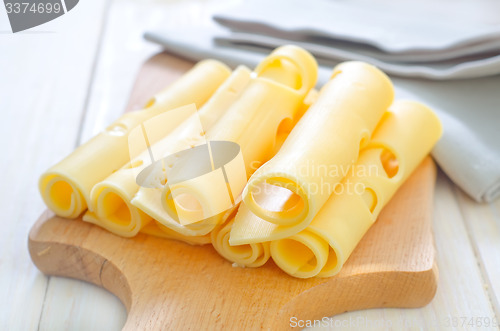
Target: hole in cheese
{"type": "Point", "coordinates": [163, 181]}
{"type": "Point", "coordinates": [370, 199]}
{"type": "Point", "coordinates": [389, 162]}
{"type": "Point", "coordinates": [150, 102]}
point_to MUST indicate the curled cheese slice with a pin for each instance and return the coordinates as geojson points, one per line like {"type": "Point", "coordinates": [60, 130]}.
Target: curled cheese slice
{"type": "Point", "coordinates": [275, 96]}
{"type": "Point", "coordinates": [110, 200]}
{"type": "Point", "coordinates": [65, 187]}
{"type": "Point", "coordinates": [266, 109]}
{"type": "Point", "coordinates": [404, 137]}
{"type": "Point", "coordinates": [320, 149]}
{"type": "Point", "coordinates": [248, 255]}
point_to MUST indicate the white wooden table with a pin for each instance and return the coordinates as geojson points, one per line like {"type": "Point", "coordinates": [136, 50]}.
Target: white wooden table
{"type": "Point", "coordinates": [64, 81]}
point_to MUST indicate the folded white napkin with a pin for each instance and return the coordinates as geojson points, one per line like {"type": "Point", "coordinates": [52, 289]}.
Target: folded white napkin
{"type": "Point", "coordinates": [468, 152]}
{"type": "Point", "coordinates": [405, 40]}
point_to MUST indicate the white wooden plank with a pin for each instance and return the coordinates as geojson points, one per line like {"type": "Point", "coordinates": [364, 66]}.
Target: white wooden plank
{"type": "Point", "coordinates": [74, 305]}
{"type": "Point", "coordinates": [125, 50]}
{"type": "Point", "coordinates": [44, 75]}
{"type": "Point", "coordinates": [483, 225]}
{"type": "Point", "coordinates": [461, 292]}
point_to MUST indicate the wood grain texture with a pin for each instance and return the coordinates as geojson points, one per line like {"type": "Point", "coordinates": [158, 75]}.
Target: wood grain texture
{"type": "Point", "coordinates": [168, 284]}
{"type": "Point", "coordinates": [461, 293]}
{"type": "Point", "coordinates": [483, 226]}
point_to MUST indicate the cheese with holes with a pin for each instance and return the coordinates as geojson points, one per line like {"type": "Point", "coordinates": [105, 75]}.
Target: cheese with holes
{"type": "Point", "coordinates": [404, 137]}
{"type": "Point", "coordinates": [110, 200]}
{"type": "Point", "coordinates": [319, 150]}
{"type": "Point", "coordinates": [65, 187]}
{"type": "Point", "coordinates": [265, 110]}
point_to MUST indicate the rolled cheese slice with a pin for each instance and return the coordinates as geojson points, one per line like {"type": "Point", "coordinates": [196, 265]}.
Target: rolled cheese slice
{"type": "Point", "coordinates": [65, 187]}
{"type": "Point", "coordinates": [268, 106]}
{"type": "Point", "coordinates": [249, 255]}
{"type": "Point", "coordinates": [150, 199]}
{"type": "Point", "coordinates": [321, 148]}
{"type": "Point", "coordinates": [110, 201]}
{"type": "Point", "coordinates": [404, 137]}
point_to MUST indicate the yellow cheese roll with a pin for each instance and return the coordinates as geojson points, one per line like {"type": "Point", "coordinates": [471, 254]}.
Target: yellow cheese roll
{"type": "Point", "coordinates": [65, 187]}
{"type": "Point", "coordinates": [404, 137]}
{"type": "Point", "coordinates": [319, 150]}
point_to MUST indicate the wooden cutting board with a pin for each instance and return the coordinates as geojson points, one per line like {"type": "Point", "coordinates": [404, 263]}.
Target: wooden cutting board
{"type": "Point", "coordinates": [171, 285]}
